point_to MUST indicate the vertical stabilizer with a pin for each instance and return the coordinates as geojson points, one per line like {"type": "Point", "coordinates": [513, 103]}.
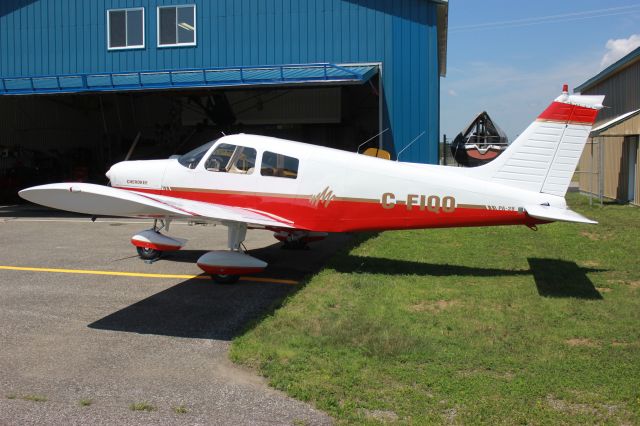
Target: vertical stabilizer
{"type": "Point", "coordinates": [545, 156]}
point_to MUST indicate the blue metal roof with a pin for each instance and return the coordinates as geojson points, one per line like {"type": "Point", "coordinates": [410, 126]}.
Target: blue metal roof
{"type": "Point", "coordinates": [617, 66]}
{"type": "Point", "coordinates": [189, 78]}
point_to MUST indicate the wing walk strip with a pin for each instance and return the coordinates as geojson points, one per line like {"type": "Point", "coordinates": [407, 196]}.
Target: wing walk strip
{"type": "Point", "coordinates": [142, 275]}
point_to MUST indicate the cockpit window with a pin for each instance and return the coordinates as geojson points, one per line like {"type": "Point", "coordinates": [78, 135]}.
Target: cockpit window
{"type": "Point", "coordinates": [191, 159]}
{"type": "Point", "coordinates": [232, 159]}
{"type": "Point", "coordinates": [279, 165]}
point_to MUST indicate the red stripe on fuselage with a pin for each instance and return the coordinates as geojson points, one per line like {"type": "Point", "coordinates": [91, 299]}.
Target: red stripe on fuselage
{"type": "Point", "coordinates": [567, 113]}
{"type": "Point", "coordinates": [349, 215]}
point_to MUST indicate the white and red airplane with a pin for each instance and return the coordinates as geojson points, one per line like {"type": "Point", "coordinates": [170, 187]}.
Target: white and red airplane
{"type": "Point", "coordinates": [301, 191]}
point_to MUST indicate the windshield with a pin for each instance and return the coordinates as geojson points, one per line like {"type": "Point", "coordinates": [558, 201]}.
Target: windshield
{"type": "Point", "coordinates": [192, 158]}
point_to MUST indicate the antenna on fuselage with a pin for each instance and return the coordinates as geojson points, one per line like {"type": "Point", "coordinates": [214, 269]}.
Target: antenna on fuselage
{"type": "Point", "coordinates": [409, 146]}
{"type": "Point", "coordinates": [370, 139]}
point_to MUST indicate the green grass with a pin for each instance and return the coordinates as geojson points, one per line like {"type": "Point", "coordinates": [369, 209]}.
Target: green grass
{"type": "Point", "coordinates": [180, 409]}
{"type": "Point", "coordinates": [11, 396]}
{"type": "Point", "coordinates": [35, 398]}
{"type": "Point", "coordinates": [141, 406]}
{"type": "Point", "coordinates": [85, 402]}
{"type": "Point", "coordinates": [480, 325]}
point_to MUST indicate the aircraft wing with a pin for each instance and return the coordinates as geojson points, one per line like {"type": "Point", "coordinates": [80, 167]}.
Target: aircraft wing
{"type": "Point", "coordinates": [556, 214]}
{"type": "Point", "coordinates": [106, 201]}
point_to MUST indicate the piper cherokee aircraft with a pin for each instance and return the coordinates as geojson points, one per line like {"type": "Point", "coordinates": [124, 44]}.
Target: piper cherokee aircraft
{"type": "Point", "coordinates": [301, 192]}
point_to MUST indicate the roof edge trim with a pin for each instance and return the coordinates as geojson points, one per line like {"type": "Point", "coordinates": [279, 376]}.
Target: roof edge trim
{"type": "Point", "coordinates": [443, 34]}
{"type": "Point", "coordinates": [619, 65]}
{"type": "Point", "coordinates": [614, 122]}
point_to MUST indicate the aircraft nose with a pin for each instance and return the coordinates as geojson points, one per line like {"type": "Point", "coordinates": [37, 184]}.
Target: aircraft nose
{"type": "Point", "coordinates": [112, 173]}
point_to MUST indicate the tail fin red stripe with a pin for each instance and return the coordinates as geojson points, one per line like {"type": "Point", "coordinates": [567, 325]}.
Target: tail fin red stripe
{"type": "Point", "coordinates": [567, 113]}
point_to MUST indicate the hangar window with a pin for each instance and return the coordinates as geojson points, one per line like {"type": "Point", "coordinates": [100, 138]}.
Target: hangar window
{"type": "Point", "coordinates": [176, 26]}
{"type": "Point", "coordinates": [125, 28]}
{"type": "Point", "coordinates": [279, 165]}
{"type": "Point", "coordinates": [232, 159]}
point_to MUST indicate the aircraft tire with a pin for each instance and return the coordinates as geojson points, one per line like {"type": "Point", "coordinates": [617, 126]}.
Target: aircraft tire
{"type": "Point", "coordinates": [148, 253]}
{"type": "Point", "coordinates": [225, 279]}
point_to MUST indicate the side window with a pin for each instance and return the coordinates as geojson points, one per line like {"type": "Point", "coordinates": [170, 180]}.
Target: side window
{"type": "Point", "coordinates": [125, 28]}
{"type": "Point", "coordinates": [232, 159]}
{"type": "Point", "coordinates": [177, 25]}
{"type": "Point", "coordinates": [279, 165]}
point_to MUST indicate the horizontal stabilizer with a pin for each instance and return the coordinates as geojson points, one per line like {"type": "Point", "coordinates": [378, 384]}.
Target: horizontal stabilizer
{"type": "Point", "coordinates": [556, 214]}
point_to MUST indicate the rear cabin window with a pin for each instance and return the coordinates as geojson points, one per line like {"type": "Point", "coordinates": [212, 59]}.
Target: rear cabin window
{"type": "Point", "coordinates": [279, 165]}
{"type": "Point", "coordinates": [232, 159]}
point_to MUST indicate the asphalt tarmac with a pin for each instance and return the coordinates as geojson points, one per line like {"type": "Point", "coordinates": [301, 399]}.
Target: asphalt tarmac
{"type": "Point", "coordinates": [86, 320]}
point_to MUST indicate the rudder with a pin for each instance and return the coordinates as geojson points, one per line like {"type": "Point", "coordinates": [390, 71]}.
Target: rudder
{"type": "Point", "coordinates": [545, 156]}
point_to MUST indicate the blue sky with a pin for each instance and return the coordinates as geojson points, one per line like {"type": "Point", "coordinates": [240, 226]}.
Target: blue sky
{"type": "Point", "coordinates": [511, 58]}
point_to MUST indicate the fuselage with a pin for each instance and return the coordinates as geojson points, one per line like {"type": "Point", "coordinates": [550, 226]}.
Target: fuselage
{"type": "Point", "coordinates": [332, 190]}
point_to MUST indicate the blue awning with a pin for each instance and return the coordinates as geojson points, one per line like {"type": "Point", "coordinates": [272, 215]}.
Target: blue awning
{"type": "Point", "coordinates": [279, 75]}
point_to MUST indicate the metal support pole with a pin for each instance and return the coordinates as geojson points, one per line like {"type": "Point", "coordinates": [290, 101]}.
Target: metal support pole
{"type": "Point", "coordinates": [133, 146]}
{"type": "Point", "coordinates": [600, 171]}
{"type": "Point", "coordinates": [591, 175]}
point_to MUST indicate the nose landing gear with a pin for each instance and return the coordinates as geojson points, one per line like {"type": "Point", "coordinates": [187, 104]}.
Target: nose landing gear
{"type": "Point", "coordinates": [148, 253]}
{"type": "Point", "coordinates": [150, 244]}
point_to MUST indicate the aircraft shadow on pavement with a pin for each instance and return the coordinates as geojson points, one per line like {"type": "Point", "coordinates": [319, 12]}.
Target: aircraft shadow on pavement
{"type": "Point", "coordinates": [198, 309]}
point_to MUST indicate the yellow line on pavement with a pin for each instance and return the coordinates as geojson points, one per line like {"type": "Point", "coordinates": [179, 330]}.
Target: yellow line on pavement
{"type": "Point", "coordinates": [140, 275]}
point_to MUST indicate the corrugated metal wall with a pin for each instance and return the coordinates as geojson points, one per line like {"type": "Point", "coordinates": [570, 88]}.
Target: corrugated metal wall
{"type": "Point", "coordinates": [615, 168]}
{"type": "Point", "coordinates": [636, 200]}
{"type": "Point", "coordinates": [52, 37]}
{"type": "Point", "coordinates": [622, 91]}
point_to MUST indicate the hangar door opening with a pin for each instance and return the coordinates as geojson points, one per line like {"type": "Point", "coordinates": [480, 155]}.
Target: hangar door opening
{"type": "Point", "coordinates": [77, 137]}
{"type": "Point", "coordinates": [341, 117]}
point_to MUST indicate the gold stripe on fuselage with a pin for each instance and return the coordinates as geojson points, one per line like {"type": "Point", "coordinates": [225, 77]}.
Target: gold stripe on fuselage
{"type": "Point", "coordinates": [295, 196]}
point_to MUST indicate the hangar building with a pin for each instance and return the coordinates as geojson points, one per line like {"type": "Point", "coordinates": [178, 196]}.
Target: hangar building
{"type": "Point", "coordinates": [84, 84]}
{"type": "Point", "coordinates": [610, 163]}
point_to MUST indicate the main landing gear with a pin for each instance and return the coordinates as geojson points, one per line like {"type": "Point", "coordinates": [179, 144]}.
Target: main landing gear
{"type": "Point", "coordinates": [225, 267]}
{"type": "Point", "coordinates": [298, 240]}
